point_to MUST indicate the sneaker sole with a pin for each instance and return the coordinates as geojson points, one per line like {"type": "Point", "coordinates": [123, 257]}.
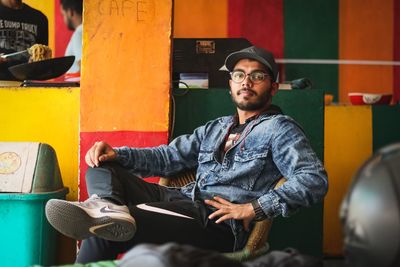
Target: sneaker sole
{"type": "Point", "coordinates": [74, 222]}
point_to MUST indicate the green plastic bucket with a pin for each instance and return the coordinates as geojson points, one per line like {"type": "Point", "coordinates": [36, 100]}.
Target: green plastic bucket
{"type": "Point", "coordinates": [26, 236]}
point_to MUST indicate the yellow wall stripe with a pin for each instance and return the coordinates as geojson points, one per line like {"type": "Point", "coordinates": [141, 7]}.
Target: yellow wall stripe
{"type": "Point", "coordinates": [348, 143]}
{"type": "Point", "coordinates": [47, 115]}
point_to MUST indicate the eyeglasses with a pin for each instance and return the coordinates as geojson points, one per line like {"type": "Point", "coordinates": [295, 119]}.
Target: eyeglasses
{"type": "Point", "coordinates": [257, 76]}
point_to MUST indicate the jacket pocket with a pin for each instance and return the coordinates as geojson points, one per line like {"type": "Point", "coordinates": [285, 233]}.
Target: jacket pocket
{"type": "Point", "coordinates": [246, 169]}
{"type": "Point", "coordinates": [207, 163]}
{"type": "Point", "coordinates": [206, 156]}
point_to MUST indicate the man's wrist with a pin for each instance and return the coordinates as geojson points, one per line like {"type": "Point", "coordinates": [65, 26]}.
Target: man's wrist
{"type": "Point", "coordinates": [260, 215]}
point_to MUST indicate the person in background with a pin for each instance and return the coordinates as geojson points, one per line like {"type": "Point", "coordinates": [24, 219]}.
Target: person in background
{"type": "Point", "coordinates": [238, 161]}
{"type": "Point", "coordinates": [21, 26]}
{"type": "Point", "coordinates": [71, 11]}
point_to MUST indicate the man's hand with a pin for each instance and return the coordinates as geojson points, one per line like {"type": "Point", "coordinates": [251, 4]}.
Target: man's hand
{"type": "Point", "coordinates": [100, 152]}
{"type": "Point", "coordinates": [227, 210]}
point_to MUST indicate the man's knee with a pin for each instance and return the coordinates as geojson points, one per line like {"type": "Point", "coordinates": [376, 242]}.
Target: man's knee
{"type": "Point", "coordinates": [105, 169]}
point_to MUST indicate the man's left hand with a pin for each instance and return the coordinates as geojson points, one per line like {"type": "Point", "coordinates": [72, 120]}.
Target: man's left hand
{"type": "Point", "coordinates": [227, 210]}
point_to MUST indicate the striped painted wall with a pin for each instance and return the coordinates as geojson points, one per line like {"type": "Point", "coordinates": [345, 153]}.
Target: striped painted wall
{"type": "Point", "coordinates": [296, 29]}
{"type": "Point", "coordinates": [352, 135]}
{"type": "Point", "coordinates": [327, 30]}
{"type": "Point", "coordinates": [116, 107]}
{"type": "Point", "coordinates": [125, 78]}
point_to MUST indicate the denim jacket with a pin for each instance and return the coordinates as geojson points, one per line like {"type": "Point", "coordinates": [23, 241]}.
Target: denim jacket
{"type": "Point", "coordinates": [270, 147]}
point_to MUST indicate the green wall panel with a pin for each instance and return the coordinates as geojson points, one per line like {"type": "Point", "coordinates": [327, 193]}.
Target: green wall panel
{"type": "Point", "coordinates": [195, 107]}
{"type": "Point", "coordinates": [385, 125]}
{"type": "Point", "coordinates": [311, 32]}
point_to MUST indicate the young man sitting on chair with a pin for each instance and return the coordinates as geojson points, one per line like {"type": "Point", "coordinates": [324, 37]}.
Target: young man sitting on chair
{"type": "Point", "coordinates": [238, 158]}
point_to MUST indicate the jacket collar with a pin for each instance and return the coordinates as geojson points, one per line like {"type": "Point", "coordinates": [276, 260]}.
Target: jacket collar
{"type": "Point", "coordinates": [270, 111]}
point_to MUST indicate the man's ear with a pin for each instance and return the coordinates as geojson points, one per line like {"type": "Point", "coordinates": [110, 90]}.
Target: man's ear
{"type": "Point", "coordinates": [70, 12]}
{"type": "Point", "coordinates": [230, 87]}
{"type": "Point", "coordinates": [274, 88]}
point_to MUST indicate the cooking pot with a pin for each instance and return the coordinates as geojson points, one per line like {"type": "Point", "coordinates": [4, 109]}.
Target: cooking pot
{"type": "Point", "coordinates": [42, 70]}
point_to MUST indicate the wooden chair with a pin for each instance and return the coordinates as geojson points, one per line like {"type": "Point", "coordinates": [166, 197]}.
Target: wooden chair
{"type": "Point", "coordinates": [256, 244]}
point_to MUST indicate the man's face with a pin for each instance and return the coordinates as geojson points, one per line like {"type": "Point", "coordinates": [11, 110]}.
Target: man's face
{"type": "Point", "coordinates": [248, 95]}
{"type": "Point", "coordinates": [66, 13]}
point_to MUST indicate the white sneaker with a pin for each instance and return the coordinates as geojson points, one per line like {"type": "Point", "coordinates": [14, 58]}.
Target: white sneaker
{"type": "Point", "coordinates": [93, 217]}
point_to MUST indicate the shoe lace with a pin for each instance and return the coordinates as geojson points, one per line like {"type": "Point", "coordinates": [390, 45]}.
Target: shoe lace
{"type": "Point", "coordinates": [94, 197]}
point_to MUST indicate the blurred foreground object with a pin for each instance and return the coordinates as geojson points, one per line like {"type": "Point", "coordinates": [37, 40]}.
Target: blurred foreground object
{"type": "Point", "coordinates": [370, 212]}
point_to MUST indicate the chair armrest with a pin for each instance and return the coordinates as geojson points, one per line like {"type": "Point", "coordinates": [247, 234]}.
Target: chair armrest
{"type": "Point", "coordinates": [178, 180]}
{"type": "Point", "coordinates": [259, 235]}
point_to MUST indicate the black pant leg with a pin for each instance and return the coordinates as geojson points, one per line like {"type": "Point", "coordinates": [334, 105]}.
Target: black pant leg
{"type": "Point", "coordinates": [95, 249]}
{"type": "Point", "coordinates": [113, 181]}
{"type": "Point", "coordinates": [158, 228]}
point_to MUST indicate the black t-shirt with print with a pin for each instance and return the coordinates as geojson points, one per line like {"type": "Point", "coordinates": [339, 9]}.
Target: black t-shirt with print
{"type": "Point", "coordinates": [19, 30]}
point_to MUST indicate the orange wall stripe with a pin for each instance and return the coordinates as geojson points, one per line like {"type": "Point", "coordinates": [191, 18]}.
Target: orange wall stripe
{"type": "Point", "coordinates": [365, 34]}
{"type": "Point", "coordinates": [197, 19]}
{"type": "Point", "coordinates": [125, 79]}
{"type": "Point", "coordinates": [396, 52]}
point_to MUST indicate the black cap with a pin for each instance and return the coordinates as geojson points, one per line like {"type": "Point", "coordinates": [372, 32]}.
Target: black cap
{"type": "Point", "coordinates": [261, 55]}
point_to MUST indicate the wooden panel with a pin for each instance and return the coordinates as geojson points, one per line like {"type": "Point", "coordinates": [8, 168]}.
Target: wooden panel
{"type": "Point", "coordinates": [365, 33]}
{"type": "Point", "coordinates": [200, 19]}
{"type": "Point", "coordinates": [125, 77]}
{"type": "Point", "coordinates": [348, 143]}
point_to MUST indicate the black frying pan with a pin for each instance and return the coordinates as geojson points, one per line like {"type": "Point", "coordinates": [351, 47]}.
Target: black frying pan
{"type": "Point", "coordinates": [42, 70]}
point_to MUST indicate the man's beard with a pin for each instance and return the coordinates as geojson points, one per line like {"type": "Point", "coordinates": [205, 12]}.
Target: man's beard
{"type": "Point", "coordinates": [261, 101]}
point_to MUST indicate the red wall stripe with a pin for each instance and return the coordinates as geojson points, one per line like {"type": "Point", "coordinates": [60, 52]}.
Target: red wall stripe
{"type": "Point", "coordinates": [261, 22]}
{"type": "Point", "coordinates": [116, 139]}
